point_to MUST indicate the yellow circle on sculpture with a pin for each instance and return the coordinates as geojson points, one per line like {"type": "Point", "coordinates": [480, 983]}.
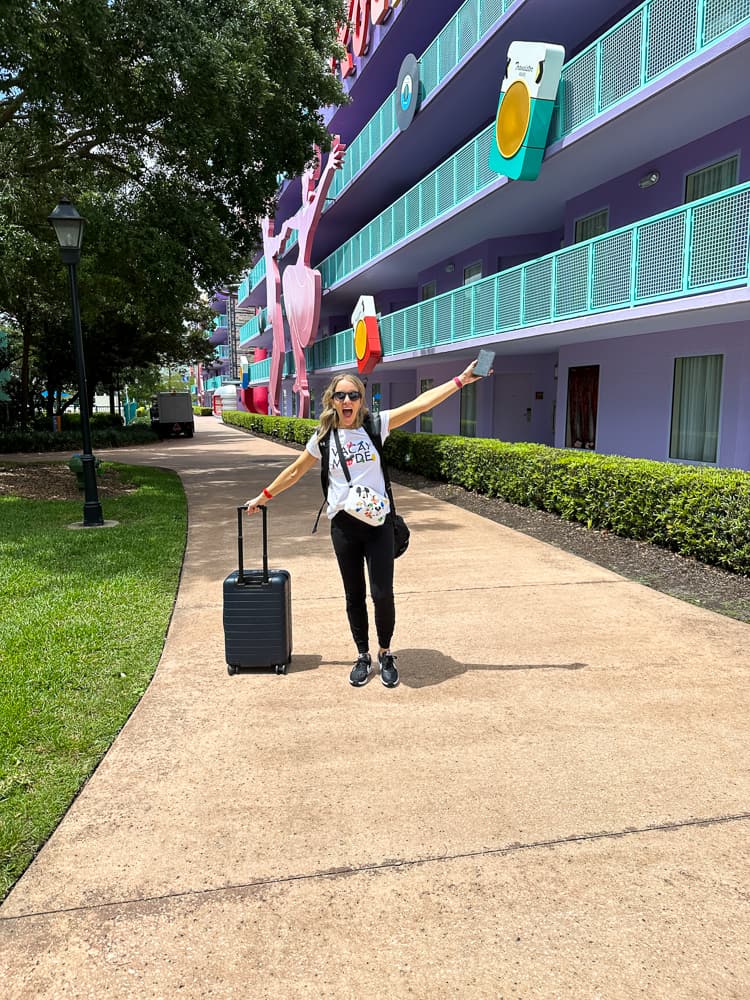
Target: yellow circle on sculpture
{"type": "Point", "coordinates": [360, 339]}
{"type": "Point", "coordinates": [513, 118]}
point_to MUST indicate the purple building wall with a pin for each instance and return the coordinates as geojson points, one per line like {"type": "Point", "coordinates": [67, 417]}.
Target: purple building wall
{"type": "Point", "coordinates": [635, 390]}
{"type": "Point", "coordinates": [627, 202]}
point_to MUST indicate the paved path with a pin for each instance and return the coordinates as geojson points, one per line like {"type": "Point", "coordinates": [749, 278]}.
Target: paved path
{"type": "Point", "coordinates": [554, 803]}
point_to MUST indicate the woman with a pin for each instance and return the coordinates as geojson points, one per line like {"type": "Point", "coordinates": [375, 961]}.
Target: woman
{"type": "Point", "coordinates": [356, 543]}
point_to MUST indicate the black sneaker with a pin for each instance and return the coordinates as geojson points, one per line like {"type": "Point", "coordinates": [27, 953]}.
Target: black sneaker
{"type": "Point", "coordinates": [388, 671]}
{"type": "Point", "coordinates": [361, 670]}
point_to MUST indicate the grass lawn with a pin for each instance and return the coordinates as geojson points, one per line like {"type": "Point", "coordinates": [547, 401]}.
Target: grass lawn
{"type": "Point", "coordinates": [84, 617]}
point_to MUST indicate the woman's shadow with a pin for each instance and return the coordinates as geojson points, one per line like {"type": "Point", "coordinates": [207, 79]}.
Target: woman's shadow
{"type": "Point", "coordinates": [421, 668]}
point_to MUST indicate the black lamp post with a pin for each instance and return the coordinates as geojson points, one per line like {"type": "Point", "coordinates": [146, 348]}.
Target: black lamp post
{"type": "Point", "coordinates": [69, 226]}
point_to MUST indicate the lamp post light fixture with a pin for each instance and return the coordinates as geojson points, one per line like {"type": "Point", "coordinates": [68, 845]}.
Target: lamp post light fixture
{"type": "Point", "coordinates": [69, 226]}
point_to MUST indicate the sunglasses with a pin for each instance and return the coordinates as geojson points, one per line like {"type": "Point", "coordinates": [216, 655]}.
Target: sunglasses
{"type": "Point", "coordinates": [341, 396]}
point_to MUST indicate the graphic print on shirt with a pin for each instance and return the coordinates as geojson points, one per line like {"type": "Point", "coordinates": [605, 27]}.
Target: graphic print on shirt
{"type": "Point", "coordinates": [355, 453]}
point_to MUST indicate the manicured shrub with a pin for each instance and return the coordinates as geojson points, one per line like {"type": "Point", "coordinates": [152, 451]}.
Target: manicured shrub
{"type": "Point", "coordinates": [693, 510]}
{"type": "Point", "coordinates": [102, 437]}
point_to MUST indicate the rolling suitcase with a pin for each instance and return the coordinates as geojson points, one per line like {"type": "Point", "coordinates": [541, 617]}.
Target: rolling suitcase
{"type": "Point", "coordinates": [257, 612]}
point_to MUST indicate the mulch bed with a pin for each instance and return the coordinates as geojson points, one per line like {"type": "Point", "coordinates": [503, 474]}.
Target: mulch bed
{"type": "Point", "coordinates": [55, 481]}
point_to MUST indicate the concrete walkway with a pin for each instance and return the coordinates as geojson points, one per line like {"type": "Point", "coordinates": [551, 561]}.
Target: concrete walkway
{"type": "Point", "coordinates": [554, 803]}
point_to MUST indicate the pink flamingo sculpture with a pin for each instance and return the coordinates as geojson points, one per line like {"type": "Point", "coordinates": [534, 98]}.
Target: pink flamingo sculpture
{"type": "Point", "coordinates": [301, 283]}
{"type": "Point", "coordinates": [273, 247]}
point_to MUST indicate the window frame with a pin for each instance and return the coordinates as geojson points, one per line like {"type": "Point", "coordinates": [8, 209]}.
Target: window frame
{"type": "Point", "coordinates": [711, 165]}
{"type": "Point", "coordinates": [468, 395]}
{"type": "Point", "coordinates": [425, 419]}
{"type": "Point", "coordinates": [720, 410]}
{"type": "Point", "coordinates": [469, 267]}
{"type": "Point", "coordinates": [587, 218]}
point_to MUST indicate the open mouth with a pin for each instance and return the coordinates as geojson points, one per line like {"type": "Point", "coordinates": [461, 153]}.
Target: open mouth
{"type": "Point", "coordinates": [347, 412]}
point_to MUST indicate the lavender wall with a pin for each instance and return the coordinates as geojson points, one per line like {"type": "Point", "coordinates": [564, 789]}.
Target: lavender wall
{"type": "Point", "coordinates": [635, 390]}
{"type": "Point", "coordinates": [627, 202]}
{"type": "Point", "coordinates": [507, 252]}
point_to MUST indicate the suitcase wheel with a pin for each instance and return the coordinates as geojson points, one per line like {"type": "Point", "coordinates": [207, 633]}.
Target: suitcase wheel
{"type": "Point", "coordinates": [281, 668]}
{"type": "Point", "coordinates": [232, 669]}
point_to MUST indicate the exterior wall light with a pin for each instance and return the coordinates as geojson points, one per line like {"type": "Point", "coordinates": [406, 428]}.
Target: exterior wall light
{"type": "Point", "coordinates": [648, 180]}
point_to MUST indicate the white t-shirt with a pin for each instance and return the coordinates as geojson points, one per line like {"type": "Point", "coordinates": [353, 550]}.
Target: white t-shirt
{"type": "Point", "coordinates": [361, 457]}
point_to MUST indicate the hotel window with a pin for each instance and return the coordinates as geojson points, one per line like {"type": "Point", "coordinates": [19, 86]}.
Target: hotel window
{"type": "Point", "coordinates": [710, 180]}
{"type": "Point", "coordinates": [375, 397]}
{"type": "Point", "coordinates": [592, 225]}
{"type": "Point", "coordinates": [473, 272]}
{"type": "Point", "coordinates": [468, 426]}
{"type": "Point", "coordinates": [425, 419]}
{"type": "Point", "coordinates": [429, 291]}
{"type": "Point", "coordinates": [312, 404]}
{"type": "Point", "coordinates": [696, 401]}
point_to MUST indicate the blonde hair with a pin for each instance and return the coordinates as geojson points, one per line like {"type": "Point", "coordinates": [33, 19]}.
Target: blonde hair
{"type": "Point", "coordinates": [329, 417]}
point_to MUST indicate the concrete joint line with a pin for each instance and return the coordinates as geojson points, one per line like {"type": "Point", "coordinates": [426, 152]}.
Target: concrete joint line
{"type": "Point", "coordinates": [396, 864]}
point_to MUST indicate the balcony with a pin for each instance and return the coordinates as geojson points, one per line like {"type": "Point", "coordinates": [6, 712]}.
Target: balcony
{"type": "Point", "coordinates": [450, 47]}
{"type": "Point", "coordinates": [696, 249]}
{"type": "Point", "coordinates": [254, 327]}
{"type": "Point", "coordinates": [655, 38]}
{"type": "Point", "coordinates": [259, 373]}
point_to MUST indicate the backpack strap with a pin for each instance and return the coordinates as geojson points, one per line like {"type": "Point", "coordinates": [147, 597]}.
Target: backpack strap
{"type": "Point", "coordinates": [372, 425]}
{"type": "Point", "coordinates": [325, 446]}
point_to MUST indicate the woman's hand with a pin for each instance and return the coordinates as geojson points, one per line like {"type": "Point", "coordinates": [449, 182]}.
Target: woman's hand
{"type": "Point", "coordinates": [467, 376]}
{"type": "Point", "coordinates": [256, 503]}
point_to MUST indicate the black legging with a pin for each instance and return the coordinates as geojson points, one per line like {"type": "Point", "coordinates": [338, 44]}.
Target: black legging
{"type": "Point", "coordinates": [356, 543]}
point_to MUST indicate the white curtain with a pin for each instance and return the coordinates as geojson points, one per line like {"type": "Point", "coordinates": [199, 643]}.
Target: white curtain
{"type": "Point", "coordinates": [696, 402]}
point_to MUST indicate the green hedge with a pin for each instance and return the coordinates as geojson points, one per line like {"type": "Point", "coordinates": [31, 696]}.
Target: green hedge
{"type": "Point", "coordinates": [112, 437]}
{"type": "Point", "coordinates": [202, 411]}
{"type": "Point", "coordinates": [72, 422]}
{"type": "Point", "coordinates": [693, 510]}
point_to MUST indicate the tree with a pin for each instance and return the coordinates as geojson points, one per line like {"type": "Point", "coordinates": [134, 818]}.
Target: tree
{"type": "Point", "coordinates": [167, 123]}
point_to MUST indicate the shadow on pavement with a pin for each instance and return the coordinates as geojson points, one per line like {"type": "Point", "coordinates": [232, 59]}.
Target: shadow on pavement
{"type": "Point", "coordinates": [424, 667]}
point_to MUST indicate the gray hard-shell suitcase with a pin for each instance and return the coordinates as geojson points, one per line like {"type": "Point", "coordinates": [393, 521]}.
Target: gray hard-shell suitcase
{"type": "Point", "coordinates": [257, 612]}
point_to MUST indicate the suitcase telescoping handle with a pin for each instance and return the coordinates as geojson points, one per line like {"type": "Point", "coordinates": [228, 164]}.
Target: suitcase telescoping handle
{"type": "Point", "coordinates": [240, 552]}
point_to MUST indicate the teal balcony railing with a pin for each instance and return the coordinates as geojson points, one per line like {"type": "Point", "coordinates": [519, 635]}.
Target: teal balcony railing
{"type": "Point", "coordinates": [697, 248]}
{"type": "Point", "coordinates": [259, 373]}
{"type": "Point", "coordinates": [469, 25]}
{"type": "Point", "coordinates": [656, 37]}
{"type": "Point", "coordinates": [221, 322]}
{"type": "Point", "coordinates": [253, 327]}
{"type": "Point", "coordinates": [245, 288]}
{"type": "Point", "coordinates": [222, 352]}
